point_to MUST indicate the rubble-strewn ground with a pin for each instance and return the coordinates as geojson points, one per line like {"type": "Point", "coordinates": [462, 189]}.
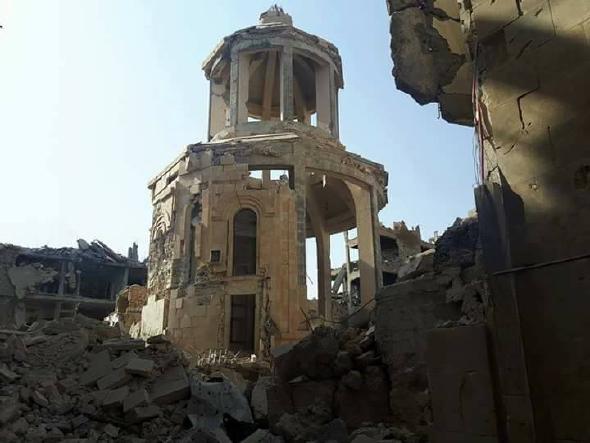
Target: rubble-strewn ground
{"type": "Point", "coordinates": [79, 380]}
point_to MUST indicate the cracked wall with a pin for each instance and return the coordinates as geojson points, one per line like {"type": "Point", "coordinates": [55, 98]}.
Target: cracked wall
{"type": "Point", "coordinates": [530, 63]}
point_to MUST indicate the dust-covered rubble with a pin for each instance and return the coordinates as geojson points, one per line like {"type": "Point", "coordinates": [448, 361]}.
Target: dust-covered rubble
{"type": "Point", "coordinates": [79, 380]}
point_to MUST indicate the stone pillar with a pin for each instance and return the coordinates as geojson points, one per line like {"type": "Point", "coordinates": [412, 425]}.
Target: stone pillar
{"type": "Point", "coordinates": [324, 271]}
{"type": "Point", "coordinates": [300, 179]}
{"type": "Point", "coordinates": [238, 88]}
{"type": "Point", "coordinates": [287, 111]}
{"type": "Point", "coordinates": [322, 237]}
{"type": "Point", "coordinates": [366, 242]}
{"type": "Point", "coordinates": [217, 108]}
{"type": "Point", "coordinates": [323, 97]}
{"type": "Point", "coordinates": [62, 275]}
{"type": "Point", "coordinates": [243, 85]}
{"type": "Point", "coordinates": [334, 129]}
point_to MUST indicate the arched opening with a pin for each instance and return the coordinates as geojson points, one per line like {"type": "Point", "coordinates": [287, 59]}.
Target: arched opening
{"type": "Point", "coordinates": [245, 241]}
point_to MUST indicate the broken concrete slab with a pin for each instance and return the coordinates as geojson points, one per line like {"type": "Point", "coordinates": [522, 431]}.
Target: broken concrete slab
{"type": "Point", "coordinates": [212, 400]}
{"type": "Point", "coordinates": [173, 385]}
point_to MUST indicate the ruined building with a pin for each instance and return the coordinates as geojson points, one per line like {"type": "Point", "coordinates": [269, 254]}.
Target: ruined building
{"type": "Point", "coordinates": [50, 283]}
{"type": "Point", "coordinates": [231, 215]}
{"type": "Point", "coordinates": [397, 244]}
{"type": "Point", "coordinates": [517, 70]}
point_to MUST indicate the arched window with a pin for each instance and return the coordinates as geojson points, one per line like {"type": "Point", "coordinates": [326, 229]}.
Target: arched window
{"type": "Point", "coordinates": [245, 242]}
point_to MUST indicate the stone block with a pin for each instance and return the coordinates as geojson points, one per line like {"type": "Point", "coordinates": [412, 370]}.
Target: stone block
{"type": "Point", "coordinates": [137, 399]}
{"type": "Point", "coordinates": [98, 366]}
{"type": "Point", "coordinates": [114, 379]}
{"type": "Point", "coordinates": [111, 431]}
{"type": "Point", "coordinates": [118, 345]}
{"type": "Point", "coordinates": [115, 397]}
{"type": "Point", "coordinates": [140, 366]}
{"type": "Point", "coordinates": [171, 386]}
{"type": "Point", "coordinates": [6, 374]}
{"type": "Point", "coordinates": [460, 381]}
{"type": "Point", "coordinates": [144, 413]}
{"type": "Point", "coordinates": [123, 359]}
{"type": "Point", "coordinates": [308, 393]}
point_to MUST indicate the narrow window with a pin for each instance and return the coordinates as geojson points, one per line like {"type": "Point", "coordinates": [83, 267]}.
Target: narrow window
{"type": "Point", "coordinates": [245, 242]}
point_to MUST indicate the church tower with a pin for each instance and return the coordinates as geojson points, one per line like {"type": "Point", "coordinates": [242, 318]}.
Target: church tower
{"type": "Point", "coordinates": [232, 214]}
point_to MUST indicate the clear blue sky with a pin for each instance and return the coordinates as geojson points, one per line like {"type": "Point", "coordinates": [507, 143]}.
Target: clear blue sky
{"type": "Point", "coordinates": [96, 96]}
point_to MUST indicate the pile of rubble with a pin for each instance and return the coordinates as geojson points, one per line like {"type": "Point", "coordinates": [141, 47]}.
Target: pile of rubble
{"type": "Point", "coordinates": [331, 386]}
{"type": "Point", "coordinates": [79, 380]}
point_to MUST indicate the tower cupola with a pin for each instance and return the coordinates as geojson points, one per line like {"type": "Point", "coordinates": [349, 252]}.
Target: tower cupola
{"type": "Point", "coordinates": [271, 73]}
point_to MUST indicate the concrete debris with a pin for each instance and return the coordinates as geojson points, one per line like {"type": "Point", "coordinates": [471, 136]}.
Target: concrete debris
{"type": "Point", "coordinates": [105, 392]}
{"type": "Point", "coordinates": [329, 383]}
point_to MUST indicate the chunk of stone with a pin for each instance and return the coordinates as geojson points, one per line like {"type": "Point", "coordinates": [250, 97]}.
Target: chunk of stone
{"type": "Point", "coordinates": [343, 363]}
{"type": "Point", "coordinates": [138, 398]}
{"type": "Point", "coordinates": [9, 409]}
{"type": "Point", "coordinates": [114, 379]}
{"type": "Point", "coordinates": [66, 385]}
{"type": "Point", "coordinates": [140, 366]}
{"type": "Point", "coordinates": [78, 421]}
{"type": "Point", "coordinates": [20, 426]}
{"type": "Point", "coordinates": [6, 374]}
{"type": "Point", "coordinates": [366, 359]}
{"type": "Point", "coordinates": [171, 386]}
{"type": "Point", "coordinates": [263, 436]}
{"type": "Point", "coordinates": [98, 367]}
{"type": "Point", "coordinates": [111, 431]}
{"type": "Point", "coordinates": [39, 399]}
{"type": "Point", "coordinates": [313, 356]}
{"type": "Point", "coordinates": [258, 398]}
{"type": "Point", "coordinates": [123, 359]}
{"type": "Point", "coordinates": [306, 393]}
{"type": "Point", "coordinates": [118, 345]}
{"type": "Point", "coordinates": [334, 431]}
{"type": "Point", "coordinates": [144, 413]}
{"type": "Point", "coordinates": [369, 404]}
{"type": "Point", "coordinates": [353, 380]}
{"type": "Point", "coordinates": [115, 397]}
{"type": "Point", "coordinates": [212, 400]}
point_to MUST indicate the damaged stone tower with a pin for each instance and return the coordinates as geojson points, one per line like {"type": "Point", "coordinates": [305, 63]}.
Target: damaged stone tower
{"type": "Point", "coordinates": [231, 216]}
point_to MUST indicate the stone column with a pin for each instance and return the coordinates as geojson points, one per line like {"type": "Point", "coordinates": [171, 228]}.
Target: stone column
{"type": "Point", "coordinates": [300, 180]}
{"type": "Point", "coordinates": [217, 108]}
{"type": "Point", "coordinates": [366, 242]}
{"type": "Point", "coordinates": [323, 256]}
{"type": "Point", "coordinates": [324, 271]}
{"type": "Point", "coordinates": [238, 88]}
{"type": "Point", "coordinates": [287, 111]}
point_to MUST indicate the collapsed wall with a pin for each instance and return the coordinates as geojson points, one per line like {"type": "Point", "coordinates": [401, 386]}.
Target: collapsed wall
{"type": "Point", "coordinates": [425, 319]}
